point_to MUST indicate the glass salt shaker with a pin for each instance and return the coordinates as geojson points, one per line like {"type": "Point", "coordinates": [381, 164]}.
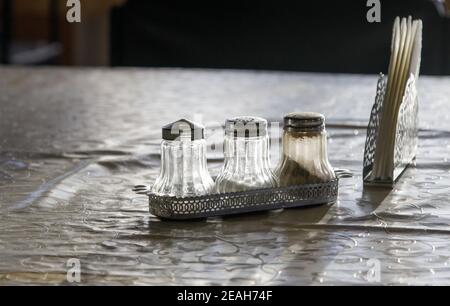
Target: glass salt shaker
{"type": "Point", "coordinates": [304, 158]}
{"type": "Point", "coordinates": [246, 154]}
{"type": "Point", "coordinates": [184, 171]}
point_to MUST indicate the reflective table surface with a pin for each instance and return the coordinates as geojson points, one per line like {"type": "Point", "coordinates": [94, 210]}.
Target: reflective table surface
{"type": "Point", "coordinates": [73, 142]}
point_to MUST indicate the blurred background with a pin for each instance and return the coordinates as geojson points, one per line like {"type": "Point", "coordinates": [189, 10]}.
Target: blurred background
{"type": "Point", "coordinates": [315, 36]}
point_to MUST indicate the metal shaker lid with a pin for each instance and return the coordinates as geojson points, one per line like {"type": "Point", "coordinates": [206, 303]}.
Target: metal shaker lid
{"type": "Point", "coordinates": [304, 122]}
{"type": "Point", "coordinates": [246, 126]}
{"type": "Point", "coordinates": [183, 128]}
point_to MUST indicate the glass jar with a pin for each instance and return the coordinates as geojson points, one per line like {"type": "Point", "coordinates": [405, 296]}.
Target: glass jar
{"type": "Point", "coordinates": [304, 158]}
{"type": "Point", "coordinates": [184, 171]}
{"type": "Point", "coordinates": [246, 156]}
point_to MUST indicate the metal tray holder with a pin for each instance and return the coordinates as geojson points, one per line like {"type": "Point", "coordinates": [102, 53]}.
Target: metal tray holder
{"type": "Point", "coordinates": [169, 207]}
{"type": "Point", "coordinates": [406, 134]}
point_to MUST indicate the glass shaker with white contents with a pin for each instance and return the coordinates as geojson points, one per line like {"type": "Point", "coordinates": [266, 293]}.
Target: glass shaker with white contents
{"type": "Point", "coordinates": [246, 154]}
{"type": "Point", "coordinates": [184, 171]}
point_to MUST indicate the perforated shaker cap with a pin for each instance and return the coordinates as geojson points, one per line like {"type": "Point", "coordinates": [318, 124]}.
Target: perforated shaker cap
{"type": "Point", "coordinates": [246, 126]}
{"type": "Point", "coordinates": [304, 122]}
{"type": "Point", "coordinates": [183, 128]}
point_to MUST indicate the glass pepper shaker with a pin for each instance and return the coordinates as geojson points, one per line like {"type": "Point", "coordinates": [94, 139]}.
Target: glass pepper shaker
{"type": "Point", "coordinates": [184, 171]}
{"type": "Point", "coordinates": [246, 154]}
{"type": "Point", "coordinates": [304, 158]}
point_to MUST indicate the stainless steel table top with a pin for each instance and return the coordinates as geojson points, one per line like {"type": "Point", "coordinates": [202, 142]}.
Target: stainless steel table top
{"type": "Point", "coordinates": [74, 141]}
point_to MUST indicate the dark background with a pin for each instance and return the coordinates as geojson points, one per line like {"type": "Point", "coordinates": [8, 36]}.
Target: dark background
{"type": "Point", "coordinates": [317, 36]}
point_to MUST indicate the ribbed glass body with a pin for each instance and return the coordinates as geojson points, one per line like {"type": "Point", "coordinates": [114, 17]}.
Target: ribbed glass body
{"type": "Point", "coordinates": [304, 158]}
{"type": "Point", "coordinates": [246, 166]}
{"type": "Point", "coordinates": [183, 170]}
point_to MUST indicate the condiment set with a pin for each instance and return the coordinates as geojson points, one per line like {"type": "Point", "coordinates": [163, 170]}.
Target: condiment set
{"type": "Point", "coordinates": [246, 166]}
{"type": "Point", "coordinates": [185, 190]}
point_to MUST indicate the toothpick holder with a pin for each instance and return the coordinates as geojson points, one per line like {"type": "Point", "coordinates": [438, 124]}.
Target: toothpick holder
{"type": "Point", "coordinates": [406, 134]}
